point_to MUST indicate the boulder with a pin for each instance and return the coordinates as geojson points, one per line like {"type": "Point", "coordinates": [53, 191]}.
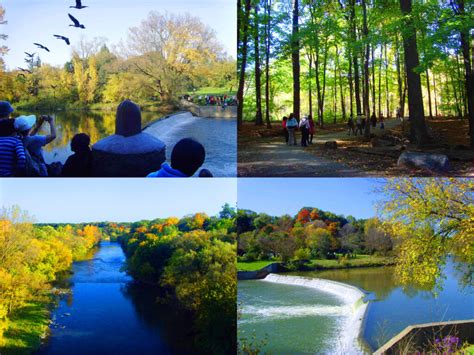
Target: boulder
{"type": "Point", "coordinates": [330, 145]}
{"type": "Point", "coordinates": [431, 162]}
{"type": "Point", "coordinates": [129, 152]}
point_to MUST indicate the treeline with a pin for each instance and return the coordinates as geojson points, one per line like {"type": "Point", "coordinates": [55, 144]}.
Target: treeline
{"type": "Point", "coordinates": [32, 257]}
{"type": "Point", "coordinates": [193, 260]}
{"type": "Point", "coordinates": [164, 56]}
{"type": "Point", "coordinates": [311, 234]}
{"type": "Point", "coordinates": [335, 59]}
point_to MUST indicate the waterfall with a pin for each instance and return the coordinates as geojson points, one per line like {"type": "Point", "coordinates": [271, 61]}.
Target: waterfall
{"type": "Point", "coordinates": [352, 312]}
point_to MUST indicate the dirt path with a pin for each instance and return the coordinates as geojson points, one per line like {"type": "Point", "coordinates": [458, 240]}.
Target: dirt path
{"type": "Point", "coordinates": [272, 157]}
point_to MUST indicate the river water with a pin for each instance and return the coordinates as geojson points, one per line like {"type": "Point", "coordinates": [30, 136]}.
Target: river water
{"type": "Point", "coordinates": [219, 136]}
{"type": "Point", "coordinates": [106, 313]}
{"type": "Point", "coordinates": [390, 309]}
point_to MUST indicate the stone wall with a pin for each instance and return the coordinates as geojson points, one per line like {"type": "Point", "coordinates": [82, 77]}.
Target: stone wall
{"type": "Point", "coordinates": [422, 335]}
{"type": "Point", "coordinates": [209, 111]}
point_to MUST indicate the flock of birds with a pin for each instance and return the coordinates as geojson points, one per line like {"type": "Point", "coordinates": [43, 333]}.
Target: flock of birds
{"type": "Point", "coordinates": [75, 23]}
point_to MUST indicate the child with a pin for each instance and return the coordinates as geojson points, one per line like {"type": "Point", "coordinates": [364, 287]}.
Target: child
{"type": "Point", "coordinates": [187, 157]}
{"type": "Point", "coordinates": [79, 164]}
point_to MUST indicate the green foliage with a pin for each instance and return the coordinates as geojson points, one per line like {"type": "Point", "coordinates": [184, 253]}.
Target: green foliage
{"type": "Point", "coordinates": [431, 218]}
{"type": "Point", "coordinates": [31, 257]}
{"type": "Point", "coordinates": [194, 258]}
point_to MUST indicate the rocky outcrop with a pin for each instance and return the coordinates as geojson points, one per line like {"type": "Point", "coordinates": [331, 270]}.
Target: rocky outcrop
{"type": "Point", "coordinates": [438, 163]}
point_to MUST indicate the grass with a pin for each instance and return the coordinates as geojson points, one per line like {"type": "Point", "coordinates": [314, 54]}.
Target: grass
{"type": "Point", "coordinates": [359, 261]}
{"type": "Point", "coordinates": [253, 265]}
{"type": "Point", "coordinates": [469, 350]}
{"type": "Point", "coordinates": [212, 91]}
{"type": "Point", "coordinates": [25, 329]}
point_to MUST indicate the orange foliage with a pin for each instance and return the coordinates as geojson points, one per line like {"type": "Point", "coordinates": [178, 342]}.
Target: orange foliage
{"type": "Point", "coordinates": [303, 216]}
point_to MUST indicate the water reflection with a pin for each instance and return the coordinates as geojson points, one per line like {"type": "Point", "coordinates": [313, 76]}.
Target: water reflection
{"type": "Point", "coordinates": [97, 124]}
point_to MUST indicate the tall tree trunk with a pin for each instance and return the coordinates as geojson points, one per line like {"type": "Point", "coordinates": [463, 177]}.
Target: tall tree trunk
{"type": "Point", "coordinates": [335, 87]}
{"type": "Point", "coordinates": [461, 84]}
{"type": "Point", "coordinates": [387, 93]}
{"type": "Point", "coordinates": [343, 104]}
{"type": "Point", "coordinates": [258, 72]}
{"type": "Point", "coordinates": [268, 4]}
{"type": "Point", "coordinates": [380, 81]}
{"type": "Point", "coordinates": [295, 57]}
{"type": "Point", "coordinates": [243, 24]}
{"type": "Point", "coordinates": [435, 95]}
{"type": "Point", "coordinates": [310, 89]}
{"type": "Point", "coordinates": [366, 69]}
{"type": "Point", "coordinates": [354, 57]}
{"type": "Point", "coordinates": [351, 88]}
{"type": "Point", "coordinates": [373, 79]}
{"type": "Point", "coordinates": [469, 82]}
{"type": "Point", "coordinates": [415, 98]}
{"type": "Point", "coordinates": [401, 101]}
{"type": "Point", "coordinates": [429, 93]}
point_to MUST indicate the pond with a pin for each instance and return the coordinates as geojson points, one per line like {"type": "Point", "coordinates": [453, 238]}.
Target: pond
{"type": "Point", "coordinates": [107, 313]}
{"type": "Point", "coordinates": [391, 308]}
{"type": "Point", "coordinates": [219, 136]}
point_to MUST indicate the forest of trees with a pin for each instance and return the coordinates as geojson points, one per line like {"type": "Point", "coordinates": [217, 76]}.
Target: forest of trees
{"type": "Point", "coordinates": [336, 59]}
{"type": "Point", "coordinates": [422, 223]}
{"type": "Point", "coordinates": [32, 257]}
{"type": "Point", "coordinates": [164, 56]}
{"type": "Point", "coordinates": [194, 258]}
{"type": "Point", "coordinates": [311, 234]}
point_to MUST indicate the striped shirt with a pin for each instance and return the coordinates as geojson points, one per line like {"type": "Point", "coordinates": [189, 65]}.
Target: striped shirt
{"type": "Point", "coordinates": [12, 156]}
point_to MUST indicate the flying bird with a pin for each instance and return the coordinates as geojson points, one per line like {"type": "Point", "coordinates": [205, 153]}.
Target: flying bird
{"type": "Point", "coordinates": [25, 70]}
{"type": "Point", "coordinates": [76, 22]}
{"type": "Point", "coordinates": [65, 39]}
{"type": "Point", "coordinates": [41, 46]}
{"type": "Point", "coordinates": [78, 5]}
{"type": "Point", "coordinates": [30, 55]}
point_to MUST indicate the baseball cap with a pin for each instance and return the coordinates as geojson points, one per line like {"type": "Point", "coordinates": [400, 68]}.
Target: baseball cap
{"type": "Point", "coordinates": [24, 123]}
{"type": "Point", "coordinates": [5, 108]}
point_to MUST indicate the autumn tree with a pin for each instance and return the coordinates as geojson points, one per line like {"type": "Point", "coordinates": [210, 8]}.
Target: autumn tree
{"type": "Point", "coordinates": [430, 219]}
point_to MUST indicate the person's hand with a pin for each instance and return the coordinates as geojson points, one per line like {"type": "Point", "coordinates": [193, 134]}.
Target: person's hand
{"type": "Point", "coordinates": [48, 119]}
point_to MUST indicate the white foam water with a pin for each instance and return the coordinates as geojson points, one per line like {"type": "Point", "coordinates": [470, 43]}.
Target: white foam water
{"type": "Point", "coordinates": [352, 313]}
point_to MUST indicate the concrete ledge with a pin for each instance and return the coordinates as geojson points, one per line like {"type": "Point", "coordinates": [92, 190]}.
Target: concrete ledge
{"type": "Point", "coordinates": [420, 336]}
{"type": "Point", "coordinates": [259, 274]}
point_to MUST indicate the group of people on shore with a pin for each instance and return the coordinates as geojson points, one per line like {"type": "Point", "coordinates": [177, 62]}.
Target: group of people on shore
{"type": "Point", "coordinates": [212, 100]}
{"type": "Point", "coordinates": [21, 147]}
{"type": "Point", "coordinates": [290, 125]}
{"type": "Point", "coordinates": [21, 151]}
{"type": "Point", "coordinates": [359, 125]}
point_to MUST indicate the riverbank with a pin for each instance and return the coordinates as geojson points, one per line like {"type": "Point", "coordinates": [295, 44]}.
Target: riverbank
{"type": "Point", "coordinates": [321, 264]}
{"type": "Point", "coordinates": [26, 329]}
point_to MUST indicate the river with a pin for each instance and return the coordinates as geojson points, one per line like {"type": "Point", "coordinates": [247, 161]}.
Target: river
{"type": "Point", "coordinates": [298, 325]}
{"type": "Point", "coordinates": [107, 313]}
{"type": "Point", "coordinates": [219, 136]}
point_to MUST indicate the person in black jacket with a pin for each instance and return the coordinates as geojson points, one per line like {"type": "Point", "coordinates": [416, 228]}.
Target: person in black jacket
{"type": "Point", "coordinates": [79, 164]}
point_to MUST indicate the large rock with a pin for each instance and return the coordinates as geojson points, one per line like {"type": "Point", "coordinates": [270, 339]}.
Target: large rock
{"type": "Point", "coordinates": [129, 152]}
{"type": "Point", "coordinates": [430, 162]}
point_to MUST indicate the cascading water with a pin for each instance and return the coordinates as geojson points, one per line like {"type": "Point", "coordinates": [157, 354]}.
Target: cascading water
{"type": "Point", "coordinates": [301, 315]}
{"type": "Point", "coordinates": [218, 136]}
{"type": "Point", "coordinates": [353, 310]}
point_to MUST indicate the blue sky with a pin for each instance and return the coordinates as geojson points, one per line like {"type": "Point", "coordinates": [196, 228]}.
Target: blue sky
{"type": "Point", "coordinates": [276, 197]}
{"type": "Point", "coordinates": [119, 200]}
{"type": "Point", "coordinates": [37, 20]}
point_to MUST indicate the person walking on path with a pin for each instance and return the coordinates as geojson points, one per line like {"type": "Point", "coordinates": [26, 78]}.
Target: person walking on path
{"type": "Point", "coordinates": [291, 125]}
{"type": "Point", "coordinates": [304, 126]}
{"type": "Point", "coordinates": [285, 130]}
{"type": "Point", "coordinates": [311, 129]}
{"type": "Point", "coordinates": [351, 126]}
